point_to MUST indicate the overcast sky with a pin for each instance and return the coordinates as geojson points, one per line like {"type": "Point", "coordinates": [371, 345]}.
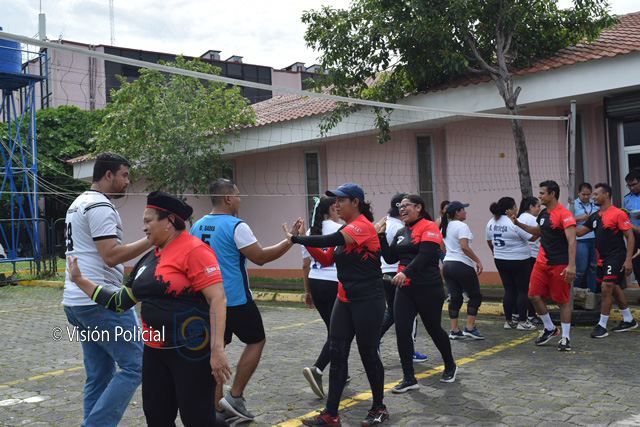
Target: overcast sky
{"type": "Point", "coordinates": [264, 32]}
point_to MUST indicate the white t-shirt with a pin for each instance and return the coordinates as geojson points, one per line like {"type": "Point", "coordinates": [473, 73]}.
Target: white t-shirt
{"type": "Point", "coordinates": [318, 271]}
{"type": "Point", "coordinates": [528, 219]}
{"type": "Point", "coordinates": [509, 241]}
{"type": "Point", "coordinates": [91, 217]}
{"type": "Point", "coordinates": [243, 236]}
{"type": "Point", "coordinates": [457, 230]}
{"type": "Point", "coordinates": [393, 225]}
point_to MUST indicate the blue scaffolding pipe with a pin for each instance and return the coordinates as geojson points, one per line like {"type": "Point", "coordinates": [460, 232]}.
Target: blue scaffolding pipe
{"type": "Point", "coordinates": [20, 168]}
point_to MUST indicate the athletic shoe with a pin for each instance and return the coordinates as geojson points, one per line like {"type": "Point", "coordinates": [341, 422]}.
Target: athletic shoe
{"type": "Point", "coordinates": [625, 326]}
{"type": "Point", "coordinates": [226, 415]}
{"type": "Point", "coordinates": [375, 417]}
{"type": "Point", "coordinates": [465, 296]}
{"type": "Point", "coordinates": [323, 419]}
{"type": "Point", "coordinates": [456, 335]}
{"type": "Point", "coordinates": [315, 380]}
{"type": "Point", "coordinates": [564, 344]}
{"type": "Point", "coordinates": [599, 332]}
{"type": "Point", "coordinates": [473, 333]}
{"type": "Point", "coordinates": [526, 326]}
{"type": "Point", "coordinates": [536, 320]}
{"type": "Point", "coordinates": [546, 336]}
{"type": "Point", "coordinates": [405, 385]}
{"type": "Point", "coordinates": [510, 324]}
{"type": "Point", "coordinates": [449, 374]}
{"type": "Point", "coordinates": [419, 357]}
{"type": "Point", "coordinates": [236, 405]}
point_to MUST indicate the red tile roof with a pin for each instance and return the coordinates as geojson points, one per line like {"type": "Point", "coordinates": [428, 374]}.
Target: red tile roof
{"type": "Point", "coordinates": [290, 107]}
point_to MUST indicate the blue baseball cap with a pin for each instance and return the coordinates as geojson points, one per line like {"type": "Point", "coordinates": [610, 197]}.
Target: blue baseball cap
{"type": "Point", "coordinates": [348, 189]}
{"type": "Point", "coordinates": [456, 206]}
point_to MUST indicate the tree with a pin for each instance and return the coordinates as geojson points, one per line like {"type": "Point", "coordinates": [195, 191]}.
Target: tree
{"type": "Point", "coordinates": [382, 49]}
{"type": "Point", "coordinates": [174, 127]}
{"type": "Point", "coordinates": [62, 133]}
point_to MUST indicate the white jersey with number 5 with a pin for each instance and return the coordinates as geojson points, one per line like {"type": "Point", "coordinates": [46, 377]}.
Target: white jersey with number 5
{"type": "Point", "coordinates": [509, 241]}
{"type": "Point", "coordinates": [91, 217]}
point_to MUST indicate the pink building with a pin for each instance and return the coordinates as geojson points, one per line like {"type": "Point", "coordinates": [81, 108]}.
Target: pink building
{"type": "Point", "coordinates": [440, 155]}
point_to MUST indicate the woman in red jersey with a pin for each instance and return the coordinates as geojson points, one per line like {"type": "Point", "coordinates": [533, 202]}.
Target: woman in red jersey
{"type": "Point", "coordinates": [359, 309]}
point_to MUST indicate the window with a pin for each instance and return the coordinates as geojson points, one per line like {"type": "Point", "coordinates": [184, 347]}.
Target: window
{"type": "Point", "coordinates": [426, 182]}
{"type": "Point", "coordinates": [312, 179]}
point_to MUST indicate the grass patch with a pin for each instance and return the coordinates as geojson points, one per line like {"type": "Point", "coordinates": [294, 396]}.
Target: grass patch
{"type": "Point", "coordinates": [272, 280]}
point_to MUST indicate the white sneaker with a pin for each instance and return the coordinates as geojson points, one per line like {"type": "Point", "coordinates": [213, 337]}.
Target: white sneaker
{"type": "Point", "coordinates": [509, 325]}
{"type": "Point", "coordinates": [526, 326]}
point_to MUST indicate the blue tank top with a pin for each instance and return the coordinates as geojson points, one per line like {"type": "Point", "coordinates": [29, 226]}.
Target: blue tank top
{"type": "Point", "coordinates": [217, 231]}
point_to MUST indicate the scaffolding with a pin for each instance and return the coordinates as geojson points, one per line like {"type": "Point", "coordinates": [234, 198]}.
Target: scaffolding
{"type": "Point", "coordinates": [20, 226]}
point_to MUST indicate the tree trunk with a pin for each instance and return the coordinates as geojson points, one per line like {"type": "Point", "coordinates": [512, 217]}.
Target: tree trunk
{"type": "Point", "coordinates": [522, 156]}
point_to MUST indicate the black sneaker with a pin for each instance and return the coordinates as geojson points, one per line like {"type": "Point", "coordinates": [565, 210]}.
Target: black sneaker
{"type": "Point", "coordinates": [375, 417]}
{"type": "Point", "coordinates": [625, 326]}
{"type": "Point", "coordinates": [599, 332]}
{"type": "Point", "coordinates": [405, 385]}
{"type": "Point", "coordinates": [546, 336]}
{"type": "Point", "coordinates": [564, 344]}
{"type": "Point", "coordinates": [323, 419]}
{"type": "Point", "coordinates": [314, 379]}
{"type": "Point", "coordinates": [449, 374]}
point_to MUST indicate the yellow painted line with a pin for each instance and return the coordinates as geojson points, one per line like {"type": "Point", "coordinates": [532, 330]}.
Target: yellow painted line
{"type": "Point", "coordinates": [30, 308]}
{"type": "Point", "coordinates": [296, 422]}
{"type": "Point", "coordinates": [39, 377]}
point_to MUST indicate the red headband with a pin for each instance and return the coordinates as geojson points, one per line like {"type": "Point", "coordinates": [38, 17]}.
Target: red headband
{"type": "Point", "coordinates": [166, 210]}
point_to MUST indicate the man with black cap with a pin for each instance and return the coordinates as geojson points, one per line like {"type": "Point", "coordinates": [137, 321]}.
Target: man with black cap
{"type": "Point", "coordinates": [234, 243]}
{"type": "Point", "coordinates": [93, 234]}
{"type": "Point", "coordinates": [393, 224]}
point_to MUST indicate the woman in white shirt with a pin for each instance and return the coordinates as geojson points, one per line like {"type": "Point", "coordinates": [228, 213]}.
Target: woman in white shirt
{"type": "Point", "coordinates": [461, 267]}
{"type": "Point", "coordinates": [530, 208]}
{"type": "Point", "coordinates": [509, 245]}
{"type": "Point", "coordinates": [320, 284]}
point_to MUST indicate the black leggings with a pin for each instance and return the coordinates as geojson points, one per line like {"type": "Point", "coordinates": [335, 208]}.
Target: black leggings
{"type": "Point", "coordinates": [515, 280]}
{"type": "Point", "coordinates": [426, 301]}
{"type": "Point", "coordinates": [361, 320]}
{"type": "Point", "coordinates": [461, 277]}
{"type": "Point", "coordinates": [324, 294]}
{"type": "Point", "coordinates": [388, 321]}
{"type": "Point", "coordinates": [173, 380]}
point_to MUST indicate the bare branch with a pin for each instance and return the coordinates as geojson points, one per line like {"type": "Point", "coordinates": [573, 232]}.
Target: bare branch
{"type": "Point", "coordinates": [477, 55]}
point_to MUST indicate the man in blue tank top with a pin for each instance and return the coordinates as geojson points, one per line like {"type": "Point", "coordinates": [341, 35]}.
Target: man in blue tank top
{"type": "Point", "coordinates": [234, 243]}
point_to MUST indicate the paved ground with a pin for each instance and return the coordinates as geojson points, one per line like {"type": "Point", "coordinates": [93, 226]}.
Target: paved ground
{"type": "Point", "coordinates": [503, 380]}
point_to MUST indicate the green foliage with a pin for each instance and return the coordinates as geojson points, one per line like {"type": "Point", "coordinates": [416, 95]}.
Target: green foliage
{"type": "Point", "coordinates": [382, 49]}
{"type": "Point", "coordinates": [62, 133]}
{"type": "Point", "coordinates": [174, 127]}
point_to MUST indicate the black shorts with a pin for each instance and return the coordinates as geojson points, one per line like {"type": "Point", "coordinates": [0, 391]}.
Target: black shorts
{"type": "Point", "coordinates": [610, 271]}
{"type": "Point", "coordinates": [245, 322]}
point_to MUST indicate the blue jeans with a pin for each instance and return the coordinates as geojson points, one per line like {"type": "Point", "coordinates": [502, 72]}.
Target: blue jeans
{"type": "Point", "coordinates": [106, 392]}
{"type": "Point", "coordinates": [586, 263]}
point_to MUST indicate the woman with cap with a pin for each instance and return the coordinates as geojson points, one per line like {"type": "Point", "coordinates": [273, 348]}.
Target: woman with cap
{"type": "Point", "coordinates": [527, 214]}
{"type": "Point", "coordinates": [458, 270]}
{"type": "Point", "coordinates": [183, 316]}
{"type": "Point", "coordinates": [320, 284]}
{"type": "Point", "coordinates": [510, 248]}
{"type": "Point", "coordinates": [419, 290]}
{"type": "Point", "coordinates": [360, 305]}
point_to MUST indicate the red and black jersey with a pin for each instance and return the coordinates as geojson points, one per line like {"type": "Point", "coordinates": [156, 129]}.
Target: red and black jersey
{"type": "Point", "coordinates": [168, 283]}
{"type": "Point", "coordinates": [608, 226]}
{"type": "Point", "coordinates": [554, 248]}
{"type": "Point", "coordinates": [358, 264]}
{"type": "Point", "coordinates": [407, 244]}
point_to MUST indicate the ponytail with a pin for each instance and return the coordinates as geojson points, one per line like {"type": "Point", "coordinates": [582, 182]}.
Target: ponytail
{"type": "Point", "coordinates": [321, 208]}
{"type": "Point", "coordinates": [365, 209]}
{"type": "Point", "coordinates": [498, 209]}
{"type": "Point", "coordinates": [444, 222]}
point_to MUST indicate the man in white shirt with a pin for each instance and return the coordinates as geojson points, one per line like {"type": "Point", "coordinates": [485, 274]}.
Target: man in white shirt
{"type": "Point", "coordinates": [93, 234]}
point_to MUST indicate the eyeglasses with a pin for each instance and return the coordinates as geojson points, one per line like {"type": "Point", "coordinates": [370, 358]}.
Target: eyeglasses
{"type": "Point", "coordinates": [405, 205]}
{"type": "Point", "coordinates": [633, 184]}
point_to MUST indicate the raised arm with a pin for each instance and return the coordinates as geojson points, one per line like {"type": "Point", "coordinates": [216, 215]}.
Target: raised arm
{"type": "Point", "coordinates": [115, 301]}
